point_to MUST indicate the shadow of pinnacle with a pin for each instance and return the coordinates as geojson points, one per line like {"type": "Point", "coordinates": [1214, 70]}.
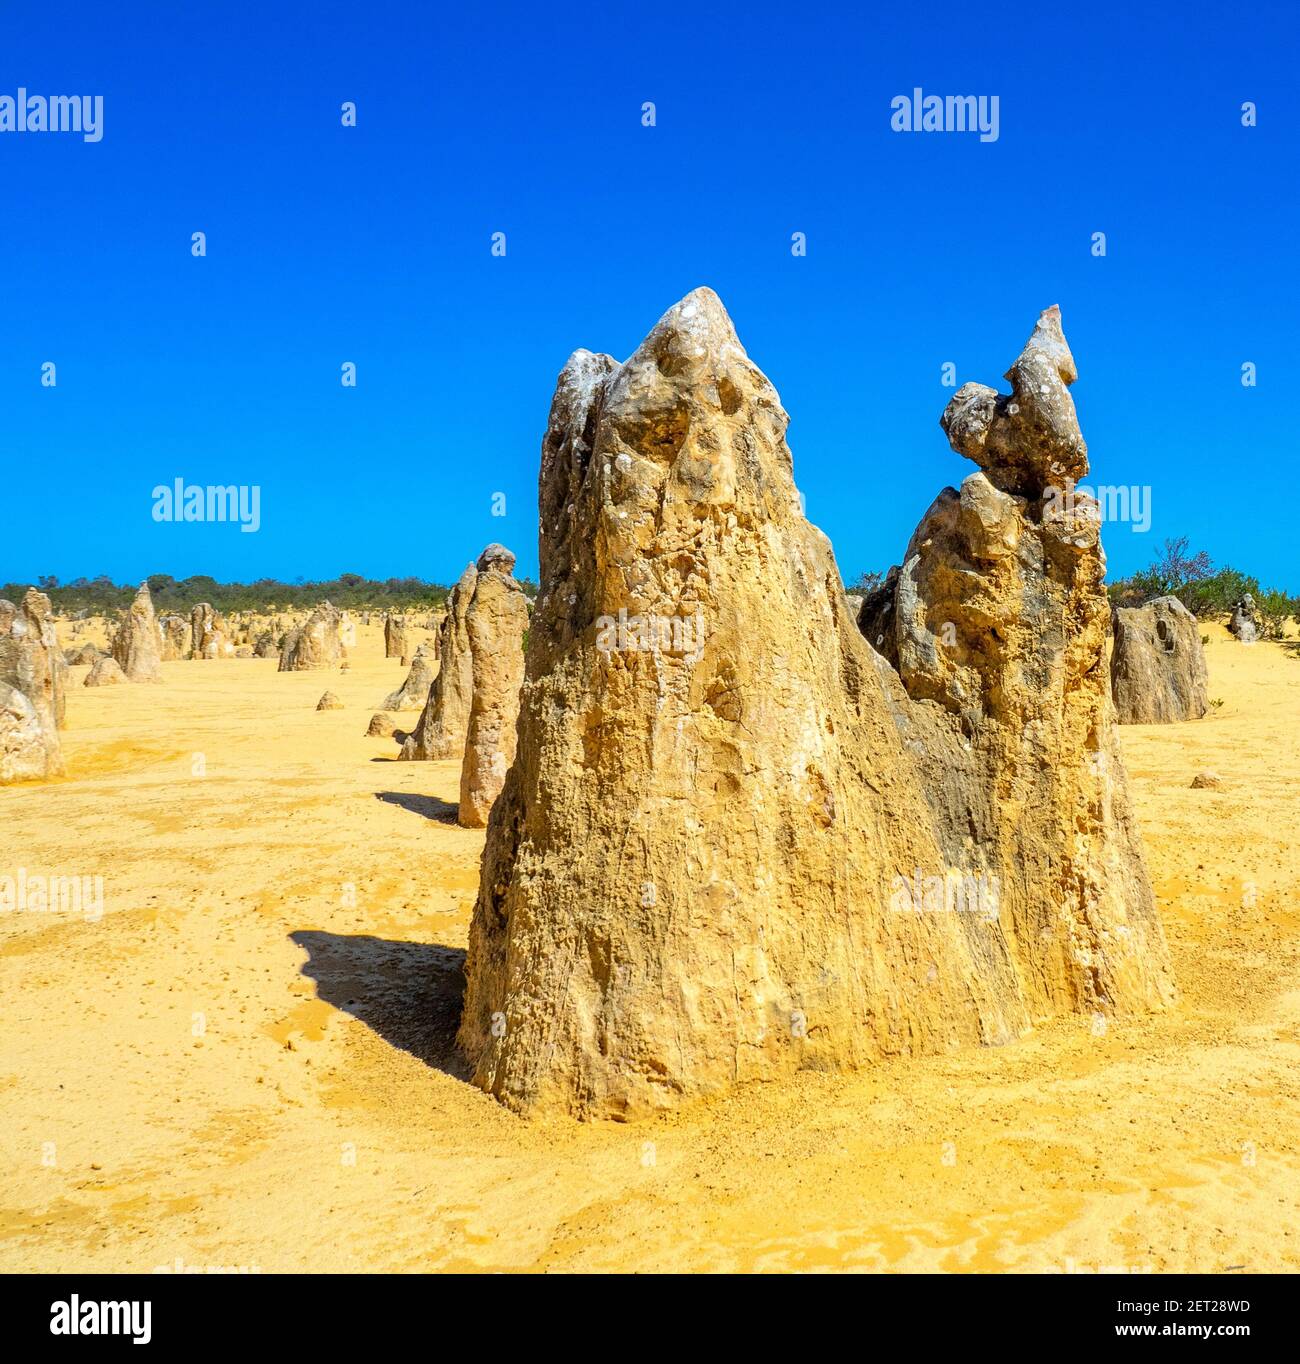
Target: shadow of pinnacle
{"type": "Point", "coordinates": [408, 993]}
{"type": "Point", "coordinates": [429, 806]}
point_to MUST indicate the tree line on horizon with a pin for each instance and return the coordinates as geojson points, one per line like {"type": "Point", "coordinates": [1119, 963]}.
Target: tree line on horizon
{"type": "Point", "coordinates": [1175, 572]}
{"type": "Point", "coordinates": [101, 596]}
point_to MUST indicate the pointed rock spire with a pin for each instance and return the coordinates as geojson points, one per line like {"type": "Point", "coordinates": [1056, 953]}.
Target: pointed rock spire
{"type": "Point", "coordinates": [137, 645]}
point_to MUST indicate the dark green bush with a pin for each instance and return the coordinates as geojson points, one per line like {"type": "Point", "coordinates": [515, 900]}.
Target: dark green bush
{"type": "Point", "coordinates": [1203, 589]}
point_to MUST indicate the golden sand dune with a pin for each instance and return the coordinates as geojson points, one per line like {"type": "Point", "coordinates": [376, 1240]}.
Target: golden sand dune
{"type": "Point", "coordinates": [246, 1061]}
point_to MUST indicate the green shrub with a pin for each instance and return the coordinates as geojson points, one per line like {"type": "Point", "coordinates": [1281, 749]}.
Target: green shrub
{"type": "Point", "coordinates": [1203, 589]}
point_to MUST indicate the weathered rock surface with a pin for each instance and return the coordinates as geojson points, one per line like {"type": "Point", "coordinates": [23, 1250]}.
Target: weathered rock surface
{"type": "Point", "coordinates": [137, 644]}
{"type": "Point", "coordinates": [24, 747]}
{"type": "Point", "coordinates": [381, 726]}
{"type": "Point", "coordinates": [1000, 624]}
{"type": "Point", "coordinates": [86, 654]}
{"type": "Point", "coordinates": [1028, 440]}
{"type": "Point", "coordinates": [1206, 781]}
{"type": "Point", "coordinates": [496, 621]}
{"type": "Point", "coordinates": [442, 726]}
{"type": "Point", "coordinates": [1157, 664]}
{"type": "Point", "coordinates": [32, 690]}
{"type": "Point", "coordinates": [394, 636]}
{"type": "Point", "coordinates": [208, 633]}
{"type": "Point", "coordinates": [107, 672]}
{"type": "Point", "coordinates": [413, 694]}
{"type": "Point", "coordinates": [316, 644]}
{"type": "Point", "coordinates": [175, 637]}
{"type": "Point", "coordinates": [498, 557]}
{"type": "Point", "coordinates": [1245, 622]}
{"type": "Point", "coordinates": [329, 702]}
{"type": "Point", "coordinates": [36, 666]}
{"type": "Point", "coordinates": [266, 646]}
{"type": "Point", "coordinates": [729, 851]}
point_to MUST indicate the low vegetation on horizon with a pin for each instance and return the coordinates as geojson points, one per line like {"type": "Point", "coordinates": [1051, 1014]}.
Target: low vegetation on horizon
{"type": "Point", "coordinates": [1204, 589]}
{"type": "Point", "coordinates": [101, 596]}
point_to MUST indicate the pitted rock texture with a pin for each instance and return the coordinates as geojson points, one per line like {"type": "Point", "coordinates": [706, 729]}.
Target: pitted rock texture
{"type": "Point", "coordinates": [1000, 622]}
{"type": "Point", "coordinates": [1157, 664]}
{"type": "Point", "coordinates": [440, 733]}
{"type": "Point", "coordinates": [726, 848]}
{"type": "Point", "coordinates": [495, 622]}
{"type": "Point", "coordinates": [1027, 440]}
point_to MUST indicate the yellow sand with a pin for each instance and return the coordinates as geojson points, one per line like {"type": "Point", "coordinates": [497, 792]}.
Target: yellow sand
{"type": "Point", "coordinates": [238, 1067]}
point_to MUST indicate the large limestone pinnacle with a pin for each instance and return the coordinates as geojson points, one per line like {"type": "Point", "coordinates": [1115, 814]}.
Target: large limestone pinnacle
{"type": "Point", "coordinates": [732, 843]}
{"type": "Point", "coordinates": [692, 874]}
{"type": "Point", "coordinates": [996, 622]}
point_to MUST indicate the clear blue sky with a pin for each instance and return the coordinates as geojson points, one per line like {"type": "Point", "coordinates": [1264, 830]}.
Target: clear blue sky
{"type": "Point", "coordinates": [371, 244]}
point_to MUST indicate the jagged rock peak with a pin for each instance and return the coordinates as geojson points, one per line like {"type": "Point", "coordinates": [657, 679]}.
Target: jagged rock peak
{"type": "Point", "coordinates": [1027, 440]}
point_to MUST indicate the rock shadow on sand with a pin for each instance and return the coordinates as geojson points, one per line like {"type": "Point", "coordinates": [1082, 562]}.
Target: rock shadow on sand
{"type": "Point", "coordinates": [441, 811]}
{"type": "Point", "coordinates": [408, 993]}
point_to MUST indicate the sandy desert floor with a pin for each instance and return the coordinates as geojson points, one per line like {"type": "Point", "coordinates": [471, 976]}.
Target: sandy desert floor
{"type": "Point", "coordinates": [246, 1063]}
